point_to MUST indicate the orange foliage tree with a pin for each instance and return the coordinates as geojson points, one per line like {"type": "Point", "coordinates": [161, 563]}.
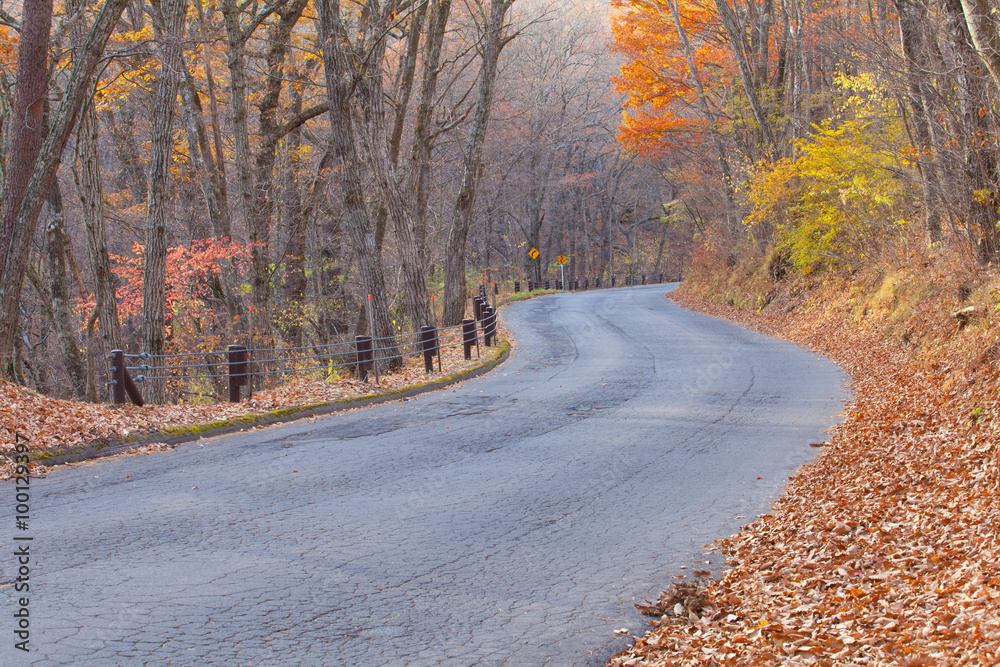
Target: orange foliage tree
{"type": "Point", "coordinates": [193, 317]}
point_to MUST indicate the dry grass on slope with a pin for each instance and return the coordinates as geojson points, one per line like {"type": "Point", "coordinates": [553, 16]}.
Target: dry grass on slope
{"type": "Point", "coordinates": [885, 549]}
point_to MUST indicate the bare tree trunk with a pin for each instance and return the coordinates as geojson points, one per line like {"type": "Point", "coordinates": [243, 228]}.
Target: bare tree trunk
{"type": "Point", "coordinates": [128, 155]}
{"type": "Point", "coordinates": [209, 176]}
{"type": "Point", "coordinates": [418, 184]}
{"type": "Point", "coordinates": [25, 143]}
{"type": "Point", "coordinates": [169, 21]}
{"type": "Point", "coordinates": [62, 308]}
{"type": "Point", "coordinates": [979, 157]}
{"type": "Point", "coordinates": [455, 281]}
{"type": "Point", "coordinates": [87, 176]}
{"type": "Point", "coordinates": [912, 18]}
{"type": "Point", "coordinates": [737, 38]}
{"type": "Point", "coordinates": [985, 36]}
{"type": "Point", "coordinates": [295, 223]}
{"type": "Point", "coordinates": [22, 206]}
{"type": "Point", "coordinates": [340, 84]}
{"type": "Point", "coordinates": [403, 88]}
{"type": "Point", "coordinates": [370, 96]}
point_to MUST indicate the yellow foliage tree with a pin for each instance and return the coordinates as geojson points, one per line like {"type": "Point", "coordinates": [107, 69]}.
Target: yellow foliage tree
{"type": "Point", "coordinates": [849, 186]}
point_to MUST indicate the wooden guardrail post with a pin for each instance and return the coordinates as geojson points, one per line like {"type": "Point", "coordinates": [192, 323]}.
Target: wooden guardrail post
{"type": "Point", "coordinates": [428, 341]}
{"type": "Point", "coordinates": [238, 358]}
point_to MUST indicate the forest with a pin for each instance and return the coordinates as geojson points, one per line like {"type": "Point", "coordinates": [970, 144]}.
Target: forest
{"type": "Point", "coordinates": [180, 176]}
{"type": "Point", "coordinates": [821, 135]}
{"type": "Point", "coordinates": [193, 174]}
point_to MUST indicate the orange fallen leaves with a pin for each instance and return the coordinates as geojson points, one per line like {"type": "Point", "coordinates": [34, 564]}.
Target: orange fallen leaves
{"type": "Point", "coordinates": [885, 549]}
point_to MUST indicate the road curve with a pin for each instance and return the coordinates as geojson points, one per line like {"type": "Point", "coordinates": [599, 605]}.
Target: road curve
{"type": "Point", "coordinates": [511, 520]}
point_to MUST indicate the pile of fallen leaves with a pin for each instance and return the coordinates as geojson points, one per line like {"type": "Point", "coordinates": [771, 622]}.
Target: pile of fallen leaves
{"type": "Point", "coordinates": [53, 424]}
{"type": "Point", "coordinates": [885, 549]}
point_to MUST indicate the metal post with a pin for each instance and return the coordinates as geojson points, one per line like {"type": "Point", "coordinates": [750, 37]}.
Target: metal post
{"type": "Point", "coordinates": [468, 336]}
{"type": "Point", "coordinates": [427, 336]}
{"type": "Point", "coordinates": [374, 337]}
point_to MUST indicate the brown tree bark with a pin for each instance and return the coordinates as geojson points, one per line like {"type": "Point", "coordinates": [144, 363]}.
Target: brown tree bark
{"type": "Point", "coordinates": [494, 39]}
{"type": "Point", "coordinates": [912, 19]}
{"type": "Point", "coordinates": [62, 307]}
{"type": "Point", "coordinates": [89, 188]}
{"type": "Point", "coordinates": [985, 34]}
{"type": "Point", "coordinates": [18, 223]}
{"type": "Point", "coordinates": [87, 176]}
{"type": "Point", "coordinates": [168, 20]}
{"type": "Point", "coordinates": [419, 175]}
{"type": "Point", "coordinates": [24, 146]}
{"type": "Point", "coordinates": [338, 63]}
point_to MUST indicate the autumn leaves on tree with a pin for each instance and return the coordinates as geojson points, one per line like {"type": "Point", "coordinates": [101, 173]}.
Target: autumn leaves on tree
{"type": "Point", "coordinates": [333, 149]}
{"type": "Point", "coordinates": [834, 131]}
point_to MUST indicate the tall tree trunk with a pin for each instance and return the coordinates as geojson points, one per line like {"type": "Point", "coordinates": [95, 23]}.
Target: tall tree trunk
{"type": "Point", "coordinates": [21, 154]}
{"type": "Point", "coordinates": [912, 18]}
{"type": "Point", "coordinates": [295, 223]}
{"type": "Point", "coordinates": [62, 308]}
{"type": "Point", "coordinates": [982, 26]}
{"type": "Point", "coordinates": [737, 39]}
{"type": "Point", "coordinates": [418, 183]}
{"type": "Point", "coordinates": [87, 176]}
{"type": "Point", "coordinates": [455, 280]}
{"type": "Point", "coordinates": [338, 65]}
{"type": "Point", "coordinates": [402, 90]}
{"type": "Point", "coordinates": [370, 94]}
{"type": "Point", "coordinates": [89, 189]}
{"type": "Point", "coordinates": [982, 168]}
{"type": "Point", "coordinates": [169, 22]}
{"type": "Point", "coordinates": [210, 180]}
{"type": "Point", "coordinates": [22, 205]}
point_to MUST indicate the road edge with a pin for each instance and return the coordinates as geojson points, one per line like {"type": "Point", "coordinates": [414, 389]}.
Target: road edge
{"type": "Point", "coordinates": [174, 436]}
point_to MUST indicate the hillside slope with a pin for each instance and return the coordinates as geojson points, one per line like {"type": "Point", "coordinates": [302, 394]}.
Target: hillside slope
{"type": "Point", "coordinates": [885, 549]}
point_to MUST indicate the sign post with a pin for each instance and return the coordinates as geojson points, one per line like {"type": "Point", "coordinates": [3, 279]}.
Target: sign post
{"type": "Point", "coordinates": [562, 259]}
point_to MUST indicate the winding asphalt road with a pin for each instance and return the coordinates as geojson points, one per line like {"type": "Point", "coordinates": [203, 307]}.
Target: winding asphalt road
{"type": "Point", "coordinates": [511, 520]}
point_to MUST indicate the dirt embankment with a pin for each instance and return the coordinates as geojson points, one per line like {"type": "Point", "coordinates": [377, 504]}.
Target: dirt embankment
{"type": "Point", "coordinates": [885, 549]}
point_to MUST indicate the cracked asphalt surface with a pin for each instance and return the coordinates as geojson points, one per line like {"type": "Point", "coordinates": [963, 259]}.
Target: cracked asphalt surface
{"type": "Point", "coordinates": [510, 520]}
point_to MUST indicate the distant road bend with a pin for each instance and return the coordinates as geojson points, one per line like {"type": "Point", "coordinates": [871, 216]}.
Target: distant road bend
{"type": "Point", "coordinates": [511, 520]}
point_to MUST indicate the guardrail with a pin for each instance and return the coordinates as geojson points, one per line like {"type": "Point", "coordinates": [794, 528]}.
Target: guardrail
{"type": "Point", "coordinates": [237, 365]}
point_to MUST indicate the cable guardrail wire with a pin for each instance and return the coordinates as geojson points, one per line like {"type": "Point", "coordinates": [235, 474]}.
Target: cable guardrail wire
{"type": "Point", "coordinates": [257, 362]}
{"type": "Point", "coordinates": [240, 364]}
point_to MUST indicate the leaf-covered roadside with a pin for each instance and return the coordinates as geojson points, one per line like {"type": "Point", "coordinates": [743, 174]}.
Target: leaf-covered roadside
{"type": "Point", "coordinates": [52, 424]}
{"type": "Point", "coordinates": [885, 549]}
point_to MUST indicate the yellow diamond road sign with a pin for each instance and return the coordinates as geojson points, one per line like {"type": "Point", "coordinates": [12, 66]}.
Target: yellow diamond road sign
{"type": "Point", "coordinates": [533, 253]}
{"type": "Point", "coordinates": [562, 259]}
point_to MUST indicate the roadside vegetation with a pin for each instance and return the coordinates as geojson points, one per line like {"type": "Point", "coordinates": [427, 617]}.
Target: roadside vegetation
{"type": "Point", "coordinates": [837, 167]}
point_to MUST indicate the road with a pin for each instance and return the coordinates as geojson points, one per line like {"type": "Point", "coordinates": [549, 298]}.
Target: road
{"type": "Point", "coordinates": [511, 520]}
